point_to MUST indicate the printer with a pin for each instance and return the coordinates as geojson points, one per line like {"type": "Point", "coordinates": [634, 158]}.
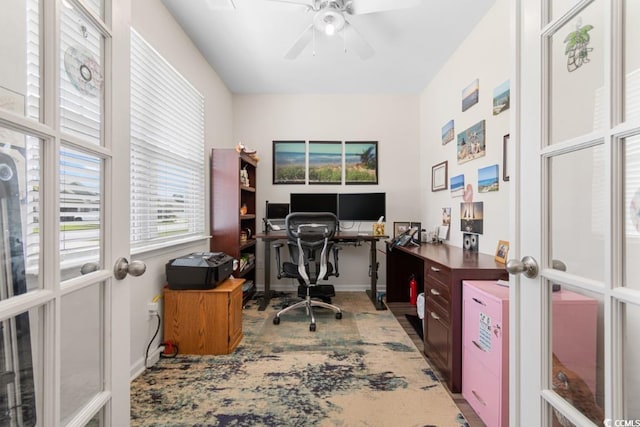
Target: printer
{"type": "Point", "coordinates": [199, 270]}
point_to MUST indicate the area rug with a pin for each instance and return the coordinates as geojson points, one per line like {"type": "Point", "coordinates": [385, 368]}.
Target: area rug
{"type": "Point", "coordinates": [361, 370]}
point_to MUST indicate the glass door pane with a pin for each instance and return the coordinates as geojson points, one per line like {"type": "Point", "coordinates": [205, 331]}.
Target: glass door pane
{"type": "Point", "coordinates": [631, 60]}
{"type": "Point", "coordinates": [576, 76]}
{"type": "Point", "coordinates": [631, 210]}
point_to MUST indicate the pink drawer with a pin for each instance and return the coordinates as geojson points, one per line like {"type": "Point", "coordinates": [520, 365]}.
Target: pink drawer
{"type": "Point", "coordinates": [483, 334]}
{"type": "Point", "coordinates": [482, 390]}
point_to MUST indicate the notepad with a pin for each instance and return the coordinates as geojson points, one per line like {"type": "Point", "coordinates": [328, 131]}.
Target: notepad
{"type": "Point", "coordinates": [502, 282]}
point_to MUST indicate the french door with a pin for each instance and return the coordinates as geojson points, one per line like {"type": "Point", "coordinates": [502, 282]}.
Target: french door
{"type": "Point", "coordinates": [576, 219]}
{"type": "Point", "coordinates": [64, 130]}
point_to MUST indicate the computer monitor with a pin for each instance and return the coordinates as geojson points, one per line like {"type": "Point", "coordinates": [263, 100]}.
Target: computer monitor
{"type": "Point", "coordinates": [361, 206]}
{"type": "Point", "coordinates": [277, 210]}
{"type": "Point", "coordinates": [314, 202]}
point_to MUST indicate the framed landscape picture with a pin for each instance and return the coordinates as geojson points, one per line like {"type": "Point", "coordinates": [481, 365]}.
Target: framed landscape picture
{"type": "Point", "coordinates": [361, 162]}
{"type": "Point", "coordinates": [471, 143]}
{"type": "Point", "coordinates": [289, 162]}
{"type": "Point", "coordinates": [325, 162]}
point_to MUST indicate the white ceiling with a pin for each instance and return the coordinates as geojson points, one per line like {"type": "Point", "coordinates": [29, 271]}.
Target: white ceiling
{"type": "Point", "coordinates": [246, 45]}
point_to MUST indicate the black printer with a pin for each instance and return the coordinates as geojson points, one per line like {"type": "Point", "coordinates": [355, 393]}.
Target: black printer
{"type": "Point", "coordinates": [199, 270]}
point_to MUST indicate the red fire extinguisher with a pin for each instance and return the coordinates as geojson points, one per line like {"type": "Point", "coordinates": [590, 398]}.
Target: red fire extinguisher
{"type": "Point", "coordinates": [413, 290]}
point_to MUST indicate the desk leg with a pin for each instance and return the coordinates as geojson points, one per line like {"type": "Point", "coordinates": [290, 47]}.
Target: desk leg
{"type": "Point", "coordinates": [266, 299]}
{"type": "Point", "coordinates": [373, 292]}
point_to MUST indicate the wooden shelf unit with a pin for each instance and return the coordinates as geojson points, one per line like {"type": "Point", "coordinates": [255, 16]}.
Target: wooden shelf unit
{"type": "Point", "coordinates": [228, 195]}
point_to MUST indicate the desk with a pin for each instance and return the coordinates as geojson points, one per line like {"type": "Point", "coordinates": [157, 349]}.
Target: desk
{"type": "Point", "coordinates": [342, 236]}
{"type": "Point", "coordinates": [440, 270]}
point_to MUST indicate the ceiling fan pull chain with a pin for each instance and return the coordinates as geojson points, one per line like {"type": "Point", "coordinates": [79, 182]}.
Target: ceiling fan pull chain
{"type": "Point", "coordinates": [314, 42]}
{"type": "Point", "coordinates": [344, 40]}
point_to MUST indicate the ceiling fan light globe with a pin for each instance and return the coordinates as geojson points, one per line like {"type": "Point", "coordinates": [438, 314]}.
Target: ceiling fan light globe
{"type": "Point", "coordinates": [330, 29]}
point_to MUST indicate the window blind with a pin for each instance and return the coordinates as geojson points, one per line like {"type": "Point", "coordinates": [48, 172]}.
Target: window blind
{"type": "Point", "coordinates": [167, 151]}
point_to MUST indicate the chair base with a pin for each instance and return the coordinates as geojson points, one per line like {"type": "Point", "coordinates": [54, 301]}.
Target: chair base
{"type": "Point", "coordinates": [309, 303]}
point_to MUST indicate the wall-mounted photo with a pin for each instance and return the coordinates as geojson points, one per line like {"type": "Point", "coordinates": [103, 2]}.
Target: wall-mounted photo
{"type": "Point", "coordinates": [289, 162]}
{"type": "Point", "coordinates": [471, 95]}
{"type": "Point", "coordinates": [446, 216]}
{"type": "Point", "coordinates": [471, 217]}
{"type": "Point", "coordinates": [325, 162]}
{"type": "Point", "coordinates": [448, 132]}
{"type": "Point", "coordinates": [488, 179]}
{"type": "Point", "coordinates": [439, 176]}
{"type": "Point", "coordinates": [457, 185]}
{"type": "Point", "coordinates": [501, 98]}
{"type": "Point", "coordinates": [471, 143]}
{"type": "Point", "coordinates": [361, 162]}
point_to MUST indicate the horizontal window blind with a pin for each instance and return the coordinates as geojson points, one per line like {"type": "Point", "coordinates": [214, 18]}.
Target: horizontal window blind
{"type": "Point", "coordinates": [167, 151]}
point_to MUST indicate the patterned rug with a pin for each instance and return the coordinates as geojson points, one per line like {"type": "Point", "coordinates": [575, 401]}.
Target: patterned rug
{"type": "Point", "coordinates": [361, 370]}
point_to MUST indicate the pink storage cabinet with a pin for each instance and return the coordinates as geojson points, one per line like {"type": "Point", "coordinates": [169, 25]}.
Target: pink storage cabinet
{"type": "Point", "coordinates": [485, 344]}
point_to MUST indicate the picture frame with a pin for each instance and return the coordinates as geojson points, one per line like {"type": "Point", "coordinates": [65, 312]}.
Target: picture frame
{"type": "Point", "coordinates": [471, 143]}
{"type": "Point", "coordinates": [360, 162]}
{"type": "Point", "coordinates": [400, 227]}
{"type": "Point", "coordinates": [448, 132]}
{"type": "Point", "coordinates": [488, 179]}
{"type": "Point", "coordinates": [470, 95]}
{"type": "Point", "coordinates": [289, 162]}
{"type": "Point", "coordinates": [325, 162]}
{"type": "Point", "coordinates": [439, 176]}
{"type": "Point", "coordinates": [505, 157]}
{"type": "Point", "coordinates": [417, 238]}
{"type": "Point", "coordinates": [502, 251]}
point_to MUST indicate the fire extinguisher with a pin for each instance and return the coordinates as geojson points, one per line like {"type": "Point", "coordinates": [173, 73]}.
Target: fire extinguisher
{"type": "Point", "coordinates": [413, 290]}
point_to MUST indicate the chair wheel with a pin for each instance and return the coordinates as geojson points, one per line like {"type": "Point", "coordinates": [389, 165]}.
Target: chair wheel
{"type": "Point", "coordinates": [312, 327]}
{"type": "Point", "coordinates": [339, 315]}
{"type": "Point", "coordinates": [276, 320]}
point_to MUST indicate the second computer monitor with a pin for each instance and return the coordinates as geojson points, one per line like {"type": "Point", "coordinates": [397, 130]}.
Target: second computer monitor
{"type": "Point", "coordinates": [314, 202]}
{"type": "Point", "coordinates": [361, 206]}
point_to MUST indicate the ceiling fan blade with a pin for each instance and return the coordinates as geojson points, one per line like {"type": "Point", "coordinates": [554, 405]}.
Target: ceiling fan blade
{"type": "Point", "coordinates": [307, 3]}
{"type": "Point", "coordinates": [359, 7]}
{"type": "Point", "coordinates": [303, 40]}
{"type": "Point", "coordinates": [352, 38]}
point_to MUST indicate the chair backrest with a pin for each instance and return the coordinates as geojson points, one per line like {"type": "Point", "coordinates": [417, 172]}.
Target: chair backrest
{"type": "Point", "coordinates": [311, 231]}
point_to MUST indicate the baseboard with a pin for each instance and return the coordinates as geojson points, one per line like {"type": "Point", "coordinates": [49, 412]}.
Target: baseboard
{"type": "Point", "coordinates": [139, 367]}
{"type": "Point", "coordinates": [339, 288]}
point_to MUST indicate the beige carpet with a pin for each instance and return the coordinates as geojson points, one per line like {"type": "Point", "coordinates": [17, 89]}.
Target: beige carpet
{"type": "Point", "coordinates": [361, 370]}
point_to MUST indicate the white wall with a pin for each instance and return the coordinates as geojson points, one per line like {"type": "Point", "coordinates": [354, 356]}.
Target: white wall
{"type": "Point", "coordinates": [484, 55]}
{"type": "Point", "coordinates": [157, 26]}
{"type": "Point", "coordinates": [392, 120]}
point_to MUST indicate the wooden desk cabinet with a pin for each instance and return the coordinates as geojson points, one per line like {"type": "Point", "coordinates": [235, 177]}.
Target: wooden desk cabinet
{"type": "Point", "coordinates": [204, 321]}
{"type": "Point", "coordinates": [442, 269]}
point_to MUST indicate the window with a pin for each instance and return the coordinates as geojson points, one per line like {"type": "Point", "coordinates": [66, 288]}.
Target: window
{"type": "Point", "coordinates": [167, 151]}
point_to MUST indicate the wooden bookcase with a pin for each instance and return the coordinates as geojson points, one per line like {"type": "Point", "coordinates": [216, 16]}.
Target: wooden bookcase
{"type": "Point", "coordinates": [229, 197]}
{"type": "Point", "coordinates": [204, 321]}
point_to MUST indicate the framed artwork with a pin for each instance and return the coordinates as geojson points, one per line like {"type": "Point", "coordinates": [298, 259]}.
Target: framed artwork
{"type": "Point", "coordinates": [488, 179]}
{"type": "Point", "coordinates": [325, 162]}
{"type": "Point", "coordinates": [457, 185]}
{"type": "Point", "coordinates": [361, 162]}
{"type": "Point", "coordinates": [472, 217]}
{"type": "Point", "coordinates": [417, 238]}
{"type": "Point", "coordinates": [439, 178]}
{"type": "Point", "coordinates": [501, 98]}
{"type": "Point", "coordinates": [471, 143]}
{"type": "Point", "coordinates": [446, 216]}
{"type": "Point", "coordinates": [505, 157]}
{"type": "Point", "coordinates": [289, 162]}
{"type": "Point", "coordinates": [502, 251]}
{"type": "Point", "coordinates": [448, 132]}
{"type": "Point", "coordinates": [400, 227]}
{"type": "Point", "coordinates": [470, 95]}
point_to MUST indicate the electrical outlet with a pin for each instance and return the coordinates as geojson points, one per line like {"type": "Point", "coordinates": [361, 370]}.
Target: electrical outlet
{"type": "Point", "coordinates": [152, 307]}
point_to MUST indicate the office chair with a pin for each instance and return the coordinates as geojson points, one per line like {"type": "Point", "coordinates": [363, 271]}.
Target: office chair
{"type": "Point", "coordinates": [310, 241]}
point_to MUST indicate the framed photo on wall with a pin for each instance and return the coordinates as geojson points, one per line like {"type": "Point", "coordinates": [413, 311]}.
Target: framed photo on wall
{"type": "Point", "coordinates": [361, 162]}
{"type": "Point", "coordinates": [289, 162]}
{"type": "Point", "coordinates": [439, 176]}
{"type": "Point", "coordinates": [325, 162]}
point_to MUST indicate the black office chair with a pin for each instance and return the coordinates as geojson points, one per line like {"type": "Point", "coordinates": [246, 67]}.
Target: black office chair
{"type": "Point", "coordinates": [310, 242]}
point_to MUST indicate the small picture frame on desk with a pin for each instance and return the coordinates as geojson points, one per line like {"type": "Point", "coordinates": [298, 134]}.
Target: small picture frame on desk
{"type": "Point", "coordinates": [417, 238]}
{"type": "Point", "coordinates": [502, 251]}
{"type": "Point", "coordinates": [400, 227]}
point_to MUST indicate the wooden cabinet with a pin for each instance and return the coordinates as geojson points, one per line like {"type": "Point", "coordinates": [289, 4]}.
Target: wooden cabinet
{"type": "Point", "coordinates": [485, 341]}
{"type": "Point", "coordinates": [204, 321]}
{"type": "Point", "coordinates": [233, 208]}
{"type": "Point", "coordinates": [442, 268]}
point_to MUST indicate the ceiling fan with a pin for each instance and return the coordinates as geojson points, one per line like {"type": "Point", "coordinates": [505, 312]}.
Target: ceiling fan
{"type": "Point", "coordinates": [331, 17]}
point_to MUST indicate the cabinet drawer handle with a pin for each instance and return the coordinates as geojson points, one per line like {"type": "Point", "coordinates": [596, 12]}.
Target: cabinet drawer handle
{"type": "Point", "coordinates": [434, 292]}
{"type": "Point", "coordinates": [478, 345]}
{"type": "Point", "coordinates": [435, 269]}
{"type": "Point", "coordinates": [478, 301]}
{"type": "Point", "coordinates": [435, 316]}
{"type": "Point", "coordinates": [478, 397]}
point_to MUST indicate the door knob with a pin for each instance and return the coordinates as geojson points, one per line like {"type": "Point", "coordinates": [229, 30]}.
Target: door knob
{"type": "Point", "coordinates": [528, 266]}
{"type": "Point", "coordinates": [122, 267]}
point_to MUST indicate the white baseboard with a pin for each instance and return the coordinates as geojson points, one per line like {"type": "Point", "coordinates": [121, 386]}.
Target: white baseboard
{"type": "Point", "coordinates": [139, 367]}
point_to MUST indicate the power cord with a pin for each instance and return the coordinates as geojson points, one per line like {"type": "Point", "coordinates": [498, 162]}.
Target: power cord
{"type": "Point", "coordinates": [146, 356]}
